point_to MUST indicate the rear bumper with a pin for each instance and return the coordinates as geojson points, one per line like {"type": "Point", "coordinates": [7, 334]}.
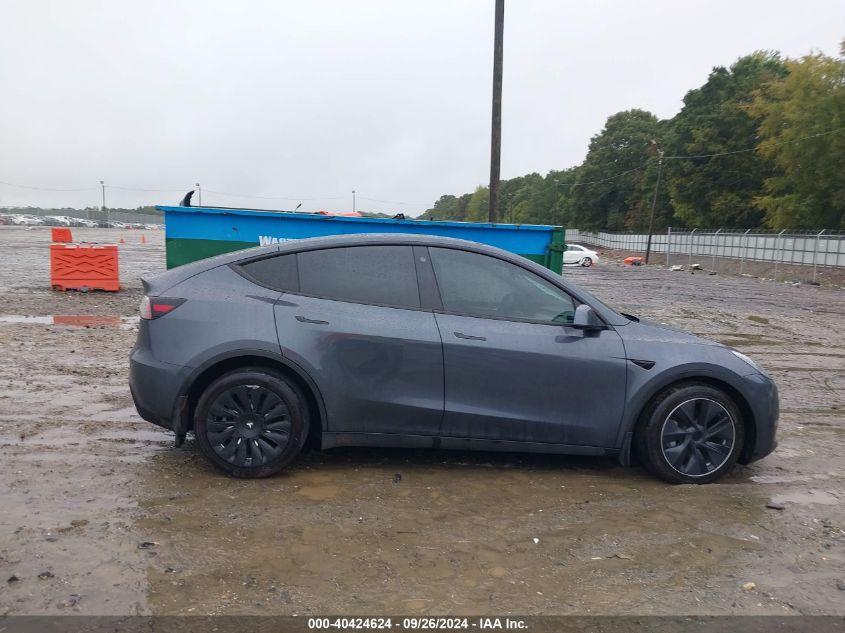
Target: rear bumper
{"type": "Point", "coordinates": [155, 387]}
{"type": "Point", "coordinates": [762, 396]}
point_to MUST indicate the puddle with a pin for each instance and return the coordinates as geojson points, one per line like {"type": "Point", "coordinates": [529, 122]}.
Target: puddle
{"type": "Point", "coordinates": [74, 320]}
{"type": "Point", "coordinates": [807, 497]}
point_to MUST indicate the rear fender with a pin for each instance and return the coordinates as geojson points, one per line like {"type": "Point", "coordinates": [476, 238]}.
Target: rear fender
{"type": "Point", "coordinates": [246, 352]}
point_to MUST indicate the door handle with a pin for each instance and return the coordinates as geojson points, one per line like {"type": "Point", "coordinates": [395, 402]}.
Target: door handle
{"type": "Point", "coordinates": [470, 337]}
{"type": "Point", "coordinates": [303, 319]}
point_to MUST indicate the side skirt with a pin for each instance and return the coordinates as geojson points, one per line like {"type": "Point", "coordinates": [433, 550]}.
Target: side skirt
{"type": "Point", "coordinates": [395, 440]}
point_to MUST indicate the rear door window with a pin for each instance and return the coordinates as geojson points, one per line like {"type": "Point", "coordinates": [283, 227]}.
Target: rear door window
{"type": "Point", "coordinates": [380, 275]}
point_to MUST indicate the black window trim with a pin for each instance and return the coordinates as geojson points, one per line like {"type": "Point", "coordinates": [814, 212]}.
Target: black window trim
{"type": "Point", "coordinates": [429, 300]}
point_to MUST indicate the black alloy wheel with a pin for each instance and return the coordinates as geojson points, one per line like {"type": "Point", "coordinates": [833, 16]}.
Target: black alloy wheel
{"type": "Point", "coordinates": [690, 433]}
{"type": "Point", "coordinates": [697, 437]}
{"type": "Point", "coordinates": [251, 422]}
{"type": "Point", "coordinates": [248, 425]}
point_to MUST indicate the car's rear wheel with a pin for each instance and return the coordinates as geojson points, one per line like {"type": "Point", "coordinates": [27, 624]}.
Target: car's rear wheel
{"type": "Point", "coordinates": [690, 433]}
{"type": "Point", "coordinates": [251, 422]}
{"type": "Point", "coordinates": [587, 262]}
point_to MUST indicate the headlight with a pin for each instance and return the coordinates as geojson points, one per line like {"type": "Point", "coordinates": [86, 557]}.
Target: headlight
{"type": "Point", "coordinates": [748, 360]}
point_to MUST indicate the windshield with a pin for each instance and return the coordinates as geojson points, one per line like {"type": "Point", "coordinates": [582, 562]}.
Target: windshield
{"type": "Point", "coordinates": [611, 315]}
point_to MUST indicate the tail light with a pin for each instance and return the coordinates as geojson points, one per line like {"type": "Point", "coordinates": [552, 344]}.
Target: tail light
{"type": "Point", "coordinates": [155, 307]}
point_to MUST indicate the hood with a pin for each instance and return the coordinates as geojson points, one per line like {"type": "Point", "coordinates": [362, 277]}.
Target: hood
{"type": "Point", "coordinates": [651, 331]}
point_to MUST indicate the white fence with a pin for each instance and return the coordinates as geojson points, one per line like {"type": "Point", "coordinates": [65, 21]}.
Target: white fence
{"type": "Point", "coordinates": [119, 216]}
{"type": "Point", "coordinates": [816, 249]}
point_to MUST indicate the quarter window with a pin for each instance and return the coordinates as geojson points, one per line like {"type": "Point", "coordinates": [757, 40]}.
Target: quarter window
{"type": "Point", "coordinates": [479, 285]}
{"type": "Point", "coordinates": [277, 272]}
{"type": "Point", "coordinates": [382, 275]}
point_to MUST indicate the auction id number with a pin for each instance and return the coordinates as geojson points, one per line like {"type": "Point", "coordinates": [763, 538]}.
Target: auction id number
{"type": "Point", "coordinates": [419, 624]}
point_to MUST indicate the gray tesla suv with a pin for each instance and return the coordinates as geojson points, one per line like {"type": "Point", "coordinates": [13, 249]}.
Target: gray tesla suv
{"type": "Point", "coordinates": [419, 341]}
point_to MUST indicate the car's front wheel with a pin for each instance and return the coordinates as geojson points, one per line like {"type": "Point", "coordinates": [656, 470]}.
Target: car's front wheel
{"type": "Point", "coordinates": [690, 433]}
{"type": "Point", "coordinates": [251, 422]}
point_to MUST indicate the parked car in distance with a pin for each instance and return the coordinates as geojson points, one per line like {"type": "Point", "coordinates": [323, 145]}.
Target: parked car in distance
{"type": "Point", "coordinates": [57, 220]}
{"type": "Point", "coordinates": [581, 255]}
{"type": "Point", "coordinates": [424, 341]}
{"type": "Point", "coordinates": [27, 220]}
{"type": "Point", "coordinates": [111, 224]}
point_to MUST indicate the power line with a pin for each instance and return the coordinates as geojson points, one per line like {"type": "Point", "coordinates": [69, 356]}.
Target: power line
{"type": "Point", "coordinates": [179, 189]}
{"type": "Point", "coordinates": [593, 182]}
{"type": "Point", "coordinates": [12, 184]}
{"type": "Point", "coordinates": [412, 204]}
{"type": "Point", "coordinates": [257, 197]}
{"type": "Point", "coordinates": [715, 155]}
{"type": "Point", "coordinates": [756, 147]}
{"type": "Point", "coordinates": [321, 198]}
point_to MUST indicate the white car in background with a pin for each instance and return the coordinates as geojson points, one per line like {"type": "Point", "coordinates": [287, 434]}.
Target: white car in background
{"type": "Point", "coordinates": [580, 255]}
{"type": "Point", "coordinates": [57, 220]}
{"type": "Point", "coordinates": [26, 220]}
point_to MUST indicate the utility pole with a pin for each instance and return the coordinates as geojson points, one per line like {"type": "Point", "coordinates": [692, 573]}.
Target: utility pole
{"type": "Point", "coordinates": [654, 204]}
{"type": "Point", "coordinates": [199, 194]}
{"type": "Point", "coordinates": [103, 207]}
{"type": "Point", "coordinates": [496, 132]}
{"type": "Point", "coordinates": [557, 202]}
{"type": "Point", "coordinates": [353, 201]}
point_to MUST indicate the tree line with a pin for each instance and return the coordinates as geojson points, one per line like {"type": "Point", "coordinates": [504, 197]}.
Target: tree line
{"type": "Point", "coordinates": [760, 145]}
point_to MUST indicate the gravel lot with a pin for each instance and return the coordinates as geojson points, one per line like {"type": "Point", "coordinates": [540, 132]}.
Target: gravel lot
{"type": "Point", "coordinates": [102, 515]}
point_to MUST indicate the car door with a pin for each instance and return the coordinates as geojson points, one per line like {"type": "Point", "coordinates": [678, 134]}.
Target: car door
{"type": "Point", "coordinates": [515, 368]}
{"type": "Point", "coordinates": [352, 319]}
{"type": "Point", "coordinates": [572, 254]}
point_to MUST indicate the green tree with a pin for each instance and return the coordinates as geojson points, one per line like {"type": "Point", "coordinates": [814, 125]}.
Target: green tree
{"type": "Point", "coordinates": [478, 206]}
{"type": "Point", "coordinates": [714, 191]}
{"type": "Point", "coordinates": [448, 207]}
{"type": "Point", "coordinates": [609, 184]}
{"type": "Point", "coordinates": [798, 114]}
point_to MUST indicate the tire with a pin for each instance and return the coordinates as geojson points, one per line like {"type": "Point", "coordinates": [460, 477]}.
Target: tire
{"type": "Point", "coordinates": [251, 422]}
{"type": "Point", "coordinates": [690, 433]}
{"type": "Point", "coordinates": [587, 262]}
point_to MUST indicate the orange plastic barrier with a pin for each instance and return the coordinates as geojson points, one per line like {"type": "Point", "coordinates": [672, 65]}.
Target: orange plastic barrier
{"type": "Point", "coordinates": [84, 267]}
{"type": "Point", "coordinates": [633, 261]}
{"type": "Point", "coordinates": [61, 234]}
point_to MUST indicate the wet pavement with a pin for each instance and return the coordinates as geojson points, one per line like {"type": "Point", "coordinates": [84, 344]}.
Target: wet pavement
{"type": "Point", "coordinates": [102, 515]}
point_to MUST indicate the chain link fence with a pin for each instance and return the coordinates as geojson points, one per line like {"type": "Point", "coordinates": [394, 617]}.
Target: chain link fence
{"type": "Point", "coordinates": [811, 256]}
{"type": "Point", "coordinates": [98, 215]}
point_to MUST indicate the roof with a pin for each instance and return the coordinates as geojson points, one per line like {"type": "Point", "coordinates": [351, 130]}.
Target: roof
{"type": "Point", "coordinates": [362, 239]}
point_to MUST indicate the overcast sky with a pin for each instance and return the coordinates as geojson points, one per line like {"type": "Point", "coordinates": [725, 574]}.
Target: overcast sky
{"type": "Point", "coordinates": [308, 100]}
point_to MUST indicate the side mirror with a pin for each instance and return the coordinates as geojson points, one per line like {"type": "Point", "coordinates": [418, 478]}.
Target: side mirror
{"type": "Point", "coordinates": [586, 319]}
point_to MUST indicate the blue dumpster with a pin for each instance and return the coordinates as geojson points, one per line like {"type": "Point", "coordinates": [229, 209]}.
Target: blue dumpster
{"type": "Point", "coordinates": [197, 232]}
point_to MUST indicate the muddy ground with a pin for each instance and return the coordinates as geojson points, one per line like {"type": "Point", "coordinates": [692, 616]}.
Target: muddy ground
{"type": "Point", "coordinates": [102, 515]}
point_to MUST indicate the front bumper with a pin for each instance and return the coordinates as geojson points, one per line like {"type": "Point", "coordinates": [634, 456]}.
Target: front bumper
{"type": "Point", "coordinates": [761, 393]}
{"type": "Point", "coordinates": [155, 387]}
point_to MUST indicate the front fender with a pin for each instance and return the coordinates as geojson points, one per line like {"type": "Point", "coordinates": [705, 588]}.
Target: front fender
{"type": "Point", "coordinates": [644, 384]}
